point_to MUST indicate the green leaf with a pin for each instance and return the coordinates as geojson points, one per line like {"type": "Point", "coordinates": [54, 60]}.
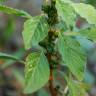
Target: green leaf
{"type": "Point", "coordinates": [7, 56]}
{"type": "Point", "coordinates": [7, 63]}
{"type": "Point", "coordinates": [16, 12]}
{"type": "Point", "coordinates": [72, 55]}
{"type": "Point", "coordinates": [35, 30]}
{"type": "Point", "coordinates": [36, 72]}
{"type": "Point", "coordinates": [75, 89]}
{"type": "Point", "coordinates": [66, 12]}
{"type": "Point", "coordinates": [86, 11]}
{"type": "Point", "coordinates": [89, 33]}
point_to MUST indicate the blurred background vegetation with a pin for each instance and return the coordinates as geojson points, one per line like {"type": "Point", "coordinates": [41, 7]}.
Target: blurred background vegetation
{"type": "Point", "coordinates": [12, 73]}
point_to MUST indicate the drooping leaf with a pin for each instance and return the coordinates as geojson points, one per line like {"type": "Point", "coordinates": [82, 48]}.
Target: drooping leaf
{"type": "Point", "coordinates": [36, 72]}
{"type": "Point", "coordinates": [35, 30]}
{"type": "Point", "coordinates": [86, 11]}
{"type": "Point", "coordinates": [89, 33]}
{"type": "Point", "coordinates": [74, 58]}
{"type": "Point", "coordinates": [7, 56]}
{"type": "Point", "coordinates": [16, 12]}
{"type": "Point", "coordinates": [66, 12]}
{"type": "Point", "coordinates": [18, 54]}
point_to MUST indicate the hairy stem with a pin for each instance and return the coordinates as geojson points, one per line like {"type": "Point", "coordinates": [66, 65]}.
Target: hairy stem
{"type": "Point", "coordinates": [52, 19]}
{"type": "Point", "coordinates": [49, 55]}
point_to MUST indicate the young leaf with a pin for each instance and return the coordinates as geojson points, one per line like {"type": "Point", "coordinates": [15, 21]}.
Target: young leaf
{"type": "Point", "coordinates": [35, 30]}
{"type": "Point", "coordinates": [72, 55]}
{"type": "Point", "coordinates": [89, 33]}
{"type": "Point", "coordinates": [36, 72]}
{"type": "Point", "coordinates": [86, 11]}
{"type": "Point", "coordinates": [66, 12]}
{"type": "Point", "coordinates": [16, 12]}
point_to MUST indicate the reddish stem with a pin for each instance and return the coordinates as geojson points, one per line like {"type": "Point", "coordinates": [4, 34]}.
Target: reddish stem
{"type": "Point", "coordinates": [53, 91]}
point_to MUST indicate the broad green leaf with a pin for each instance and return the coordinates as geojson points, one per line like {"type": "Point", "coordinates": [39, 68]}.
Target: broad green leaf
{"type": "Point", "coordinates": [89, 33]}
{"type": "Point", "coordinates": [72, 55]}
{"type": "Point", "coordinates": [75, 89]}
{"type": "Point", "coordinates": [36, 72]}
{"type": "Point", "coordinates": [86, 11]}
{"type": "Point", "coordinates": [66, 12]}
{"type": "Point", "coordinates": [16, 12]}
{"type": "Point", "coordinates": [35, 30]}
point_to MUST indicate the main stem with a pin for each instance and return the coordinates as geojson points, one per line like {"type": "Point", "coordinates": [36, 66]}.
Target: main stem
{"type": "Point", "coordinates": [52, 89]}
{"type": "Point", "coordinates": [51, 11]}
